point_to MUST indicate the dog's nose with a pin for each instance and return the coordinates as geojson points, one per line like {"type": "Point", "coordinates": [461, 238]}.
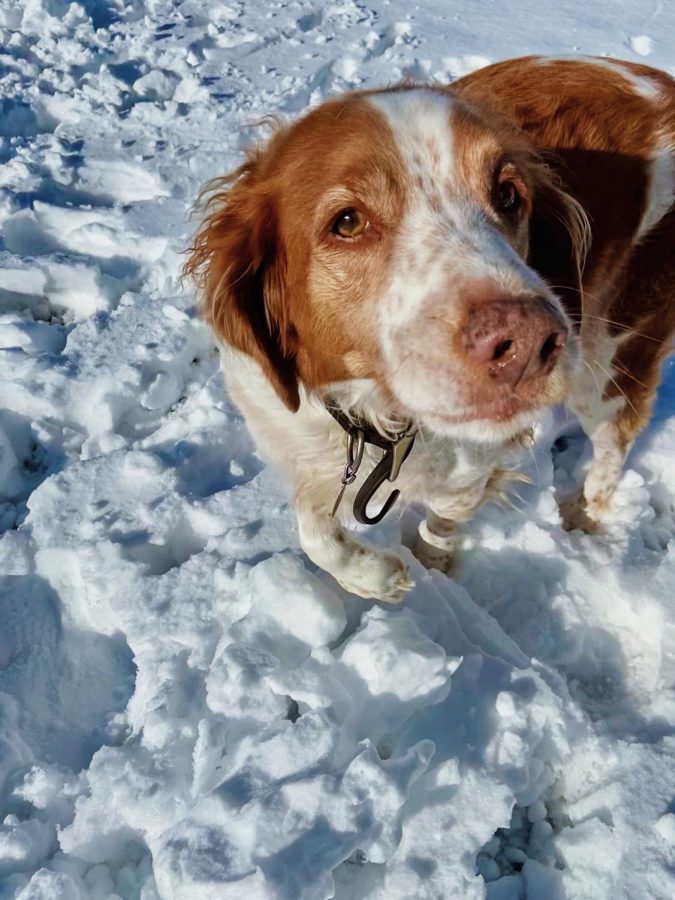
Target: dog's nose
{"type": "Point", "coordinates": [515, 340]}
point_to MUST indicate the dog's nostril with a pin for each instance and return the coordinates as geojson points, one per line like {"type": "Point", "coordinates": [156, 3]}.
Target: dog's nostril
{"type": "Point", "coordinates": [552, 345]}
{"type": "Point", "coordinates": [501, 348]}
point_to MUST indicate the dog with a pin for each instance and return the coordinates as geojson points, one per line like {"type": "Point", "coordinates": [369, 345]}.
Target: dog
{"type": "Point", "coordinates": [403, 278]}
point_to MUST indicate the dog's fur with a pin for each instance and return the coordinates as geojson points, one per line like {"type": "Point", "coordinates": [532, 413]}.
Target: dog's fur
{"type": "Point", "coordinates": [408, 319]}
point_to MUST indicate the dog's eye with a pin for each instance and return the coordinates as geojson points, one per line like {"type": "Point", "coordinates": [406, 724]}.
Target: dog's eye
{"type": "Point", "coordinates": [350, 223]}
{"type": "Point", "coordinates": [507, 200]}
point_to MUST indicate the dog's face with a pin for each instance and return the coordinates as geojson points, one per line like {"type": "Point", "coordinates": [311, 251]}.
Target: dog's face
{"type": "Point", "coordinates": [380, 247]}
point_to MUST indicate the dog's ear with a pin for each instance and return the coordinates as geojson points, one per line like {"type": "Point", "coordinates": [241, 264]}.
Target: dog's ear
{"type": "Point", "coordinates": [559, 241]}
{"type": "Point", "coordinates": [238, 262]}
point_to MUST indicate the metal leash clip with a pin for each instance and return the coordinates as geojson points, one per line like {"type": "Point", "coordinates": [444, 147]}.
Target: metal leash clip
{"type": "Point", "coordinates": [386, 470]}
{"type": "Point", "coordinates": [355, 445]}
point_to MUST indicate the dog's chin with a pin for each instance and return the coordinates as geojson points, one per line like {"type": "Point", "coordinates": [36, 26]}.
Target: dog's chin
{"type": "Point", "coordinates": [499, 421]}
{"type": "Point", "coordinates": [487, 425]}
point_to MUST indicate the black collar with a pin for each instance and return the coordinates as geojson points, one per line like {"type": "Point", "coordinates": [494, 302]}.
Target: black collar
{"type": "Point", "coordinates": [396, 449]}
{"type": "Point", "coordinates": [353, 423]}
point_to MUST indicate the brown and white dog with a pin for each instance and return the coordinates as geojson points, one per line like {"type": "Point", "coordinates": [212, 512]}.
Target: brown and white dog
{"type": "Point", "coordinates": [448, 260]}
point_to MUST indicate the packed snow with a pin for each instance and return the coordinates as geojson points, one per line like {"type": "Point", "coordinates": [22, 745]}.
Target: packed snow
{"type": "Point", "coordinates": [188, 708]}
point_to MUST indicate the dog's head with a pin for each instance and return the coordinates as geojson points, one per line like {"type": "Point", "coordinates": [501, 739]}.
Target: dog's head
{"type": "Point", "coordinates": [405, 248]}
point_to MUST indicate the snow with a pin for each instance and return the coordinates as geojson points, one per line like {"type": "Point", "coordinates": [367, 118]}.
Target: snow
{"type": "Point", "coordinates": [188, 709]}
{"type": "Point", "coordinates": [641, 44]}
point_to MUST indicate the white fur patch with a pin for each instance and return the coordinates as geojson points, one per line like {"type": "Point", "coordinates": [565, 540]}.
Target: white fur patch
{"type": "Point", "coordinates": [661, 190]}
{"type": "Point", "coordinates": [593, 377]}
{"type": "Point", "coordinates": [446, 248]}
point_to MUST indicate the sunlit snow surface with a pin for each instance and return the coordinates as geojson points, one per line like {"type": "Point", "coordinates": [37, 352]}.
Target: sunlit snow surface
{"type": "Point", "coordinates": [187, 708]}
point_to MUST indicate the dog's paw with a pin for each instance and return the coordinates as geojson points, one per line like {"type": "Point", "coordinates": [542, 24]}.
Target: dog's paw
{"type": "Point", "coordinates": [577, 514]}
{"type": "Point", "coordinates": [377, 576]}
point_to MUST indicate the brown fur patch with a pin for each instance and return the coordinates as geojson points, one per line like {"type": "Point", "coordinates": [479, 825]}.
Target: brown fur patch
{"type": "Point", "coordinates": [276, 284]}
{"type": "Point", "coordinates": [598, 134]}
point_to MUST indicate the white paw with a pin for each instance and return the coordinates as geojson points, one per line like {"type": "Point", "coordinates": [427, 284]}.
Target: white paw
{"type": "Point", "coordinates": [377, 576]}
{"type": "Point", "coordinates": [576, 513]}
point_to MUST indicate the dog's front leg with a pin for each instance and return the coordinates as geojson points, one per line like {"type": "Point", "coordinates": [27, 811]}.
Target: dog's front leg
{"type": "Point", "coordinates": [440, 533]}
{"type": "Point", "coordinates": [437, 542]}
{"type": "Point", "coordinates": [589, 508]}
{"type": "Point", "coordinates": [358, 568]}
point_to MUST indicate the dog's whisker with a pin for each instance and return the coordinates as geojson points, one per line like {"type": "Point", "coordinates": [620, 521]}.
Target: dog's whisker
{"type": "Point", "coordinates": [627, 329]}
{"type": "Point", "coordinates": [623, 371]}
{"type": "Point", "coordinates": [617, 386]}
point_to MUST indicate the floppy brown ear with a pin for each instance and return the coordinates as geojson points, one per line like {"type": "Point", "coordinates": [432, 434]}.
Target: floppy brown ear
{"type": "Point", "coordinates": [559, 241]}
{"type": "Point", "coordinates": [238, 262]}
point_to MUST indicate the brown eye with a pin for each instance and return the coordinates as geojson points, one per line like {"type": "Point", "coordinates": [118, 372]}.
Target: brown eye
{"type": "Point", "coordinates": [508, 201]}
{"type": "Point", "coordinates": [350, 223]}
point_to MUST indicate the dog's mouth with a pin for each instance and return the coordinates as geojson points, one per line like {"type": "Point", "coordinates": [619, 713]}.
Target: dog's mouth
{"type": "Point", "coordinates": [501, 411]}
{"type": "Point", "coordinates": [496, 421]}
{"type": "Point", "coordinates": [456, 403]}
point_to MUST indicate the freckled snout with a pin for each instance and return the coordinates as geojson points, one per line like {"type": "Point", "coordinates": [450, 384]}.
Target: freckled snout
{"type": "Point", "coordinates": [514, 340]}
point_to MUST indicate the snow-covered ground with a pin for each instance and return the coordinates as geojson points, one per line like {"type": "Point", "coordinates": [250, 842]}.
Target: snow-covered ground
{"type": "Point", "coordinates": [187, 708]}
